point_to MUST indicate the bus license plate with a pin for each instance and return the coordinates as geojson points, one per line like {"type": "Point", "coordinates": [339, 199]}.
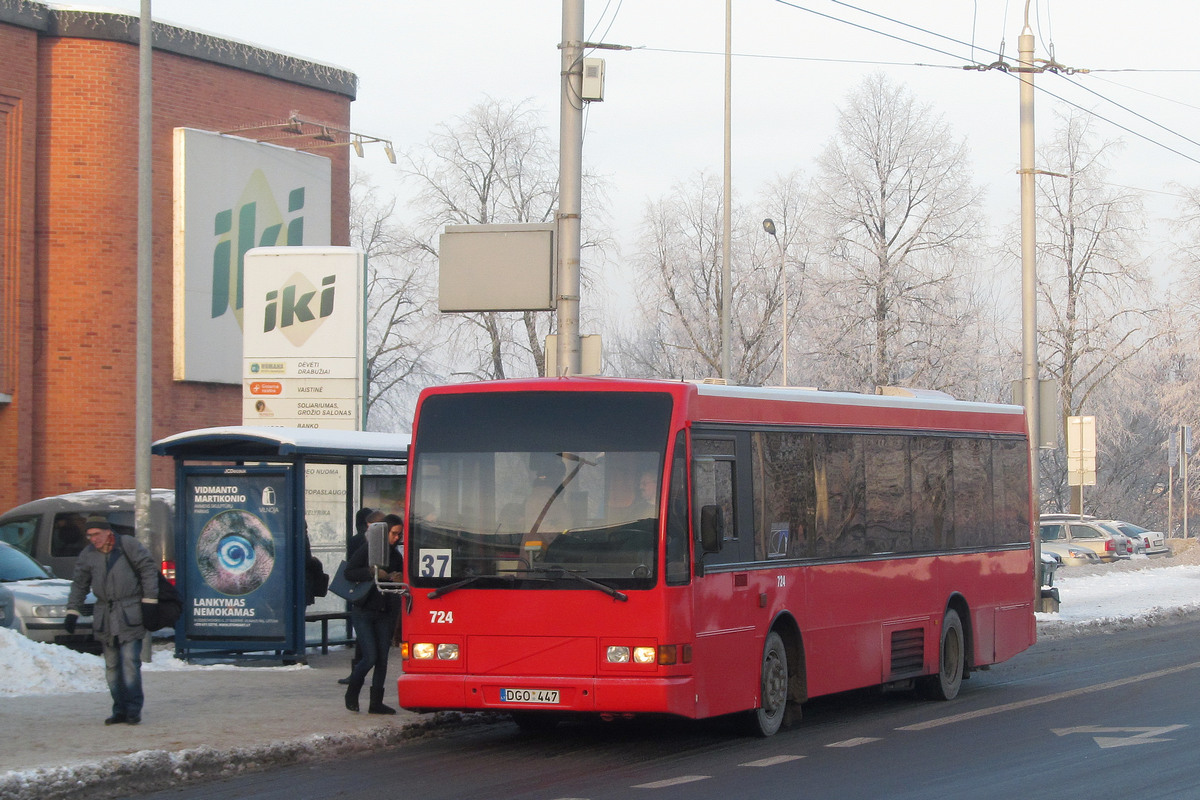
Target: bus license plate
{"type": "Point", "coordinates": [545, 696]}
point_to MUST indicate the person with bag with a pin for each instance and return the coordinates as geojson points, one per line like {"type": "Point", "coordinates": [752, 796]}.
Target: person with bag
{"type": "Point", "coordinates": [374, 618]}
{"type": "Point", "coordinates": [365, 516]}
{"type": "Point", "coordinates": [124, 577]}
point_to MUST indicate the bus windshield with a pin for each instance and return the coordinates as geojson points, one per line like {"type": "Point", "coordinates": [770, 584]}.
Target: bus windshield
{"type": "Point", "coordinates": [537, 490]}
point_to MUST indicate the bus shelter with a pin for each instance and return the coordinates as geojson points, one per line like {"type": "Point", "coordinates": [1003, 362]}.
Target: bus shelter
{"type": "Point", "coordinates": [241, 538]}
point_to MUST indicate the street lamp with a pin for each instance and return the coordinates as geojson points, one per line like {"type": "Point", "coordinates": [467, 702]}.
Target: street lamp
{"type": "Point", "coordinates": [769, 227]}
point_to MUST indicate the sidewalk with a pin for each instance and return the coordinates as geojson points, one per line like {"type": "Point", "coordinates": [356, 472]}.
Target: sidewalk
{"type": "Point", "coordinates": [195, 722]}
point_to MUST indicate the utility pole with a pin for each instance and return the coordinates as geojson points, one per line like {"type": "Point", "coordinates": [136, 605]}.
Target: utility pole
{"type": "Point", "coordinates": [145, 279]}
{"type": "Point", "coordinates": [570, 187]}
{"type": "Point", "coordinates": [726, 245]}
{"type": "Point", "coordinates": [1029, 373]}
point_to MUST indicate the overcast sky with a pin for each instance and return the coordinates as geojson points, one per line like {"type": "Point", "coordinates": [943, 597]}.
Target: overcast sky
{"type": "Point", "coordinates": [421, 63]}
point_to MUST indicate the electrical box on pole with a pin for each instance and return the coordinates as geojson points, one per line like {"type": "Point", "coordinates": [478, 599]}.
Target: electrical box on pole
{"type": "Point", "coordinates": [1046, 392]}
{"type": "Point", "coordinates": [593, 80]}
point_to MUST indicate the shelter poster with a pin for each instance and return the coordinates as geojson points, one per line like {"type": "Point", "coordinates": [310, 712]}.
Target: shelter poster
{"type": "Point", "coordinates": [237, 555]}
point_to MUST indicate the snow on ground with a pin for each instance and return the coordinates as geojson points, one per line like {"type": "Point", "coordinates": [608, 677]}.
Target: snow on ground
{"type": "Point", "coordinates": [1140, 591]}
{"type": "Point", "coordinates": [30, 668]}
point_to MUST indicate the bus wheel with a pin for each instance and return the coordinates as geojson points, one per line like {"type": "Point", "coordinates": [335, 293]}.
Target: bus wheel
{"type": "Point", "coordinates": [951, 662]}
{"type": "Point", "coordinates": [768, 717]}
{"type": "Point", "coordinates": [535, 721]}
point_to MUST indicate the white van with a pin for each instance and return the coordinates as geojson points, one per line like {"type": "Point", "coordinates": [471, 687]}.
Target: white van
{"type": "Point", "coordinates": [51, 529]}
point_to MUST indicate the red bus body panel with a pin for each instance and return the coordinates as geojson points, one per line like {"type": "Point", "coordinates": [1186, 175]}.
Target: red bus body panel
{"type": "Point", "coordinates": [847, 613]}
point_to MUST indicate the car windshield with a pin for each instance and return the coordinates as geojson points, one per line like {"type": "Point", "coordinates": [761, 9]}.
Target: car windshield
{"type": "Point", "coordinates": [1050, 532]}
{"type": "Point", "coordinates": [537, 489]}
{"type": "Point", "coordinates": [16, 566]}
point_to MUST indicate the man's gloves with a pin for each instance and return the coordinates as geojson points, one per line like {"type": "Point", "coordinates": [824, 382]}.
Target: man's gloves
{"type": "Point", "coordinates": [70, 620]}
{"type": "Point", "coordinates": [150, 615]}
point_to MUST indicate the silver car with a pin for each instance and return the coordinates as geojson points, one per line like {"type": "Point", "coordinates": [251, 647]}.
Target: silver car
{"type": "Point", "coordinates": [34, 603]}
{"type": "Point", "coordinates": [1154, 542]}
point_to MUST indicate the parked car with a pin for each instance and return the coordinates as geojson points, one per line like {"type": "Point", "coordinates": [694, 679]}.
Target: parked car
{"type": "Point", "coordinates": [50, 530]}
{"type": "Point", "coordinates": [34, 603]}
{"type": "Point", "coordinates": [1133, 544]}
{"type": "Point", "coordinates": [1069, 554]}
{"type": "Point", "coordinates": [1154, 542]}
{"type": "Point", "coordinates": [1108, 545]}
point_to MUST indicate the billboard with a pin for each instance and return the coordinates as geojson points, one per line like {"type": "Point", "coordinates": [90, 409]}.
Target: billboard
{"type": "Point", "coordinates": [236, 555]}
{"type": "Point", "coordinates": [231, 195]}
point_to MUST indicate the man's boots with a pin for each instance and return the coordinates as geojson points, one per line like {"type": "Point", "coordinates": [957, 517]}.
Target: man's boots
{"type": "Point", "coordinates": [377, 706]}
{"type": "Point", "coordinates": [352, 695]}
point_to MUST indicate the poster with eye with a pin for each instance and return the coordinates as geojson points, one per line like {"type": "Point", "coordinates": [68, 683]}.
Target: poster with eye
{"type": "Point", "coordinates": [237, 555]}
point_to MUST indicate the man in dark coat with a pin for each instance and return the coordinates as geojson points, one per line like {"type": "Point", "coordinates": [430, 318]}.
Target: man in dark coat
{"type": "Point", "coordinates": [123, 576]}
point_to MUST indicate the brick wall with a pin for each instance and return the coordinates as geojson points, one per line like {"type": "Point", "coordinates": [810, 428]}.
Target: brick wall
{"type": "Point", "coordinates": [81, 400]}
{"type": "Point", "coordinates": [18, 154]}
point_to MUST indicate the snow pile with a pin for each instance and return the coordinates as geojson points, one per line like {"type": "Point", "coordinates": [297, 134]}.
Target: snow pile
{"type": "Point", "coordinates": [31, 668]}
{"type": "Point", "coordinates": [1122, 598]}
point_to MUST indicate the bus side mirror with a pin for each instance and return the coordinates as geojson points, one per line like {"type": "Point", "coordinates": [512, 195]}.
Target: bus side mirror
{"type": "Point", "coordinates": [712, 529]}
{"type": "Point", "coordinates": [377, 542]}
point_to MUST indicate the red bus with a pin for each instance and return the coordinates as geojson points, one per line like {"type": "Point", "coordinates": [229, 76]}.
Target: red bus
{"type": "Point", "coordinates": [622, 547]}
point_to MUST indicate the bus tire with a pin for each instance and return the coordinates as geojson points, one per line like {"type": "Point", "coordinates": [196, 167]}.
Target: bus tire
{"type": "Point", "coordinates": [773, 693]}
{"type": "Point", "coordinates": [952, 659]}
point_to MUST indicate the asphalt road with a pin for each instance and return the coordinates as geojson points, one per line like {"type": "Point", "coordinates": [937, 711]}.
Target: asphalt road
{"type": "Point", "coordinates": [1100, 716]}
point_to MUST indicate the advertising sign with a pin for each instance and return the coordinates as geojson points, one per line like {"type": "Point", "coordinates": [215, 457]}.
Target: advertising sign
{"type": "Point", "coordinates": [237, 555]}
{"type": "Point", "coordinates": [231, 195]}
{"type": "Point", "coordinates": [302, 359]}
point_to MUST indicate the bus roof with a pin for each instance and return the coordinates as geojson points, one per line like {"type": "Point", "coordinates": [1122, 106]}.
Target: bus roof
{"type": "Point", "coordinates": [721, 403]}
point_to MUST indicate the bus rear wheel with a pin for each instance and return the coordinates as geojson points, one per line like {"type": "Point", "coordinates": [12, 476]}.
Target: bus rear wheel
{"type": "Point", "coordinates": [773, 693]}
{"type": "Point", "coordinates": [952, 659]}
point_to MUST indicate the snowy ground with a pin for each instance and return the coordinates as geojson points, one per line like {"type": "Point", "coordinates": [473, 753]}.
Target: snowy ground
{"type": "Point", "coordinates": [1137, 592]}
{"type": "Point", "coordinates": [1140, 591]}
{"type": "Point", "coordinates": [28, 667]}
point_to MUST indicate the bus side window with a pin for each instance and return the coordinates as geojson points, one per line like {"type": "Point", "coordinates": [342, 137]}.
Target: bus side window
{"type": "Point", "coordinates": [712, 495]}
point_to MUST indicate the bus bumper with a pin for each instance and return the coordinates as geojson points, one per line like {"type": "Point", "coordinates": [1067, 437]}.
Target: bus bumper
{"type": "Point", "coordinates": [635, 695]}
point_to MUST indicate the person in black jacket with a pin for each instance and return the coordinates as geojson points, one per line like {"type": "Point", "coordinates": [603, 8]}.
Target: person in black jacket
{"type": "Point", "coordinates": [362, 519]}
{"type": "Point", "coordinates": [374, 619]}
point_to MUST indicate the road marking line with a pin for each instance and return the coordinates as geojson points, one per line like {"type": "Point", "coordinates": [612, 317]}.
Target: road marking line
{"type": "Point", "coordinates": [672, 782]}
{"type": "Point", "coordinates": [770, 762]}
{"type": "Point", "coordinates": [1142, 735]}
{"type": "Point", "coordinates": [1050, 698]}
{"type": "Point", "coordinates": [854, 742]}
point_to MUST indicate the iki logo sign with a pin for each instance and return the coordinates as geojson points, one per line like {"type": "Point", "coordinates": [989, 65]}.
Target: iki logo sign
{"type": "Point", "coordinates": [255, 221]}
{"type": "Point", "coordinates": [296, 309]}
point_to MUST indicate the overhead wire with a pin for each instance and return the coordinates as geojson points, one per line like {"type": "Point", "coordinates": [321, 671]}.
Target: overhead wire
{"type": "Point", "coordinates": [1039, 88]}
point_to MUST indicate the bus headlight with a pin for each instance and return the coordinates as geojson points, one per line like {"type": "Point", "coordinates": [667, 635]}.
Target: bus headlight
{"type": "Point", "coordinates": [447, 652]}
{"type": "Point", "coordinates": [618, 655]}
{"type": "Point", "coordinates": [424, 651]}
{"type": "Point", "coordinates": [645, 655]}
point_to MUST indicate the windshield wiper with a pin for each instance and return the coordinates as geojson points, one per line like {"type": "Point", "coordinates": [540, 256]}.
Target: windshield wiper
{"type": "Point", "coordinates": [450, 587]}
{"type": "Point", "coordinates": [558, 573]}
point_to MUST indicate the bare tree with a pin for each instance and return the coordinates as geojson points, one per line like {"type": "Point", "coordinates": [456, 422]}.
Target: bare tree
{"type": "Point", "coordinates": [1095, 311]}
{"type": "Point", "coordinates": [899, 222]}
{"type": "Point", "coordinates": [679, 333]}
{"type": "Point", "coordinates": [494, 164]}
{"type": "Point", "coordinates": [399, 298]}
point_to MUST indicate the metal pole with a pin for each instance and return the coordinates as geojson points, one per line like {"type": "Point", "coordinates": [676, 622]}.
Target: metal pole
{"type": "Point", "coordinates": [145, 279]}
{"type": "Point", "coordinates": [726, 234]}
{"type": "Point", "coordinates": [1185, 454]}
{"type": "Point", "coordinates": [570, 186]}
{"type": "Point", "coordinates": [769, 227]}
{"type": "Point", "coordinates": [1029, 279]}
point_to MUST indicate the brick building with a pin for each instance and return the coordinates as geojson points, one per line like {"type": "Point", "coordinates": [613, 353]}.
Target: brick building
{"type": "Point", "coordinates": [68, 229]}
